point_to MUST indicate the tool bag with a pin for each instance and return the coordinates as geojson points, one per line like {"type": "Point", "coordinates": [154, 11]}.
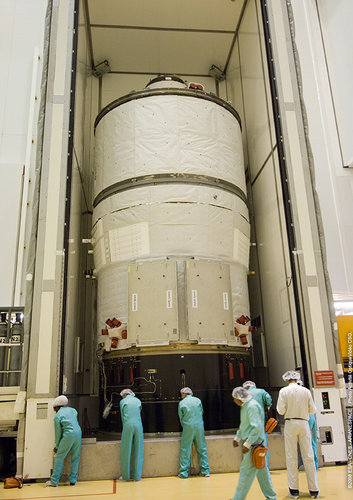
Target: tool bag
{"type": "Point", "coordinates": [258, 455]}
{"type": "Point", "coordinates": [12, 482]}
{"type": "Point", "coordinates": [270, 425]}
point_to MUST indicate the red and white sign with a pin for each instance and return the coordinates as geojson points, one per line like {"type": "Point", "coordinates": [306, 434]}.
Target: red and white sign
{"type": "Point", "coordinates": [324, 377]}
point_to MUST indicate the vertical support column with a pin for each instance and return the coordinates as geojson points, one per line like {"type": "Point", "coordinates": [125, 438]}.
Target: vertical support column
{"type": "Point", "coordinates": [44, 359]}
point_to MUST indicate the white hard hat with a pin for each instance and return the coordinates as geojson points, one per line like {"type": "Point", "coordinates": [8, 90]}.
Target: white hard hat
{"type": "Point", "coordinates": [186, 390]}
{"type": "Point", "coordinates": [125, 392]}
{"type": "Point", "coordinates": [61, 401]}
{"type": "Point", "coordinates": [291, 375]}
{"type": "Point", "coordinates": [249, 383]}
{"type": "Point", "coordinates": [242, 394]}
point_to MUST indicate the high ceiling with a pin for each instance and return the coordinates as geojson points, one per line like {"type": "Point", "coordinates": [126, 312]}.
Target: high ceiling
{"type": "Point", "coordinates": [183, 37]}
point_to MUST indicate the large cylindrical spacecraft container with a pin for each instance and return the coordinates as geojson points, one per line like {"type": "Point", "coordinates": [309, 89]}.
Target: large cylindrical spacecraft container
{"type": "Point", "coordinates": [171, 243]}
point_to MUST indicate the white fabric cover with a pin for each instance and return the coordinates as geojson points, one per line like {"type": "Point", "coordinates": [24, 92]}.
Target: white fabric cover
{"type": "Point", "coordinates": [168, 134]}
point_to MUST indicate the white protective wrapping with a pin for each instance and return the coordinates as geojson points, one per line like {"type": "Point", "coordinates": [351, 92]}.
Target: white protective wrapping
{"type": "Point", "coordinates": [169, 134]}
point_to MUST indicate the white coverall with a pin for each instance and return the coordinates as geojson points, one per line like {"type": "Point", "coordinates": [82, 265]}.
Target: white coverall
{"type": "Point", "coordinates": [296, 403]}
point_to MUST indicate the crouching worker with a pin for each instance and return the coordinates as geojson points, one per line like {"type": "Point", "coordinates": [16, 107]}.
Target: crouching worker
{"type": "Point", "coordinates": [251, 431]}
{"type": "Point", "coordinates": [130, 409]}
{"type": "Point", "coordinates": [67, 439]}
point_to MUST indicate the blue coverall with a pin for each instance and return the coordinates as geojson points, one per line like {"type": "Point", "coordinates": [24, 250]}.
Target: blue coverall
{"type": "Point", "coordinates": [252, 431]}
{"type": "Point", "coordinates": [130, 409]}
{"type": "Point", "coordinates": [190, 413]}
{"type": "Point", "coordinates": [264, 399]}
{"type": "Point", "coordinates": [67, 439]}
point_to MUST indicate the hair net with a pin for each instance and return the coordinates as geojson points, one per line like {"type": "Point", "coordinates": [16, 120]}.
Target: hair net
{"type": "Point", "coordinates": [249, 383]}
{"type": "Point", "coordinates": [125, 392]}
{"type": "Point", "coordinates": [242, 394]}
{"type": "Point", "coordinates": [290, 375]}
{"type": "Point", "coordinates": [300, 382]}
{"type": "Point", "coordinates": [61, 401]}
{"type": "Point", "coordinates": [186, 390]}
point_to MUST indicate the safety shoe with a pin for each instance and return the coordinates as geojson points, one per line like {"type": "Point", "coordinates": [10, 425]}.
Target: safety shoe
{"type": "Point", "coordinates": [72, 484]}
{"type": "Point", "coordinates": [314, 494]}
{"type": "Point", "coordinates": [49, 483]}
{"type": "Point", "coordinates": [293, 493]}
{"type": "Point", "coordinates": [205, 475]}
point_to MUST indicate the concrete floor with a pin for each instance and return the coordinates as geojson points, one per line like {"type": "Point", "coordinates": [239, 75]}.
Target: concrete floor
{"type": "Point", "coordinates": [332, 482]}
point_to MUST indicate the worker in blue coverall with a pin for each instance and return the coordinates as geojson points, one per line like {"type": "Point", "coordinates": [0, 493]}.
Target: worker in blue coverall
{"type": "Point", "coordinates": [67, 439]}
{"type": "Point", "coordinates": [265, 401]}
{"type": "Point", "coordinates": [312, 427]}
{"type": "Point", "coordinates": [251, 432]}
{"type": "Point", "coordinates": [190, 413]}
{"type": "Point", "coordinates": [130, 409]}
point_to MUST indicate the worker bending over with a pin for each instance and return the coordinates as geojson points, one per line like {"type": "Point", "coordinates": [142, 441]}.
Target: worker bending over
{"type": "Point", "coordinates": [296, 403]}
{"type": "Point", "coordinates": [67, 439]}
{"type": "Point", "coordinates": [190, 413]}
{"type": "Point", "coordinates": [130, 410]}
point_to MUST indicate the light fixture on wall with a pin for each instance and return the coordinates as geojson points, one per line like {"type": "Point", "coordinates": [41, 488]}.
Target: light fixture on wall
{"type": "Point", "coordinates": [101, 68]}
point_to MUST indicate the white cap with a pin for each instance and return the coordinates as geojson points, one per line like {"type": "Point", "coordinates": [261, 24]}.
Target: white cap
{"type": "Point", "coordinates": [291, 375]}
{"type": "Point", "coordinates": [186, 390]}
{"type": "Point", "coordinates": [242, 394]}
{"type": "Point", "coordinates": [125, 392]}
{"type": "Point", "coordinates": [249, 383]}
{"type": "Point", "coordinates": [60, 401]}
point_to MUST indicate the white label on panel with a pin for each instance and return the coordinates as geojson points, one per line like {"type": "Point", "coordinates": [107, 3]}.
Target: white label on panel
{"type": "Point", "coordinates": [169, 299]}
{"type": "Point", "coordinates": [134, 302]}
{"type": "Point", "coordinates": [194, 299]}
{"type": "Point", "coordinates": [241, 248]}
{"type": "Point", "coordinates": [225, 301]}
{"type": "Point", "coordinates": [129, 242]}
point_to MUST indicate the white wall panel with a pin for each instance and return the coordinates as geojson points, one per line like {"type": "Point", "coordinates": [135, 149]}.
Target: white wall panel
{"type": "Point", "coordinates": [21, 28]}
{"type": "Point", "coordinates": [255, 100]}
{"type": "Point", "coordinates": [333, 183]}
{"type": "Point", "coordinates": [10, 191]}
{"type": "Point", "coordinates": [336, 25]}
{"type": "Point", "coordinates": [197, 14]}
{"type": "Point", "coordinates": [161, 51]}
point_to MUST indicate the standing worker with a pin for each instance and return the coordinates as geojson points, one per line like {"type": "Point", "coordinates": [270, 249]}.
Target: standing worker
{"type": "Point", "coordinates": [265, 401]}
{"type": "Point", "coordinates": [130, 409]}
{"type": "Point", "coordinates": [296, 403]}
{"type": "Point", "coordinates": [251, 431]}
{"type": "Point", "coordinates": [190, 413]}
{"type": "Point", "coordinates": [67, 439]}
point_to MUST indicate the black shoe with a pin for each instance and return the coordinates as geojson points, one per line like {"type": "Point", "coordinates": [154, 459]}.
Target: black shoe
{"type": "Point", "coordinates": [293, 493]}
{"type": "Point", "coordinates": [314, 494]}
{"type": "Point", "coordinates": [72, 484]}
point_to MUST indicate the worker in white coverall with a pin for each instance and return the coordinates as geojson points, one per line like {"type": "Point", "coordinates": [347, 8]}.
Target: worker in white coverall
{"type": "Point", "coordinates": [296, 403]}
{"type": "Point", "coordinates": [67, 440]}
{"type": "Point", "coordinates": [265, 401]}
{"type": "Point", "coordinates": [190, 413]}
{"type": "Point", "coordinates": [251, 431]}
{"type": "Point", "coordinates": [130, 409]}
{"type": "Point", "coordinates": [312, 427]}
